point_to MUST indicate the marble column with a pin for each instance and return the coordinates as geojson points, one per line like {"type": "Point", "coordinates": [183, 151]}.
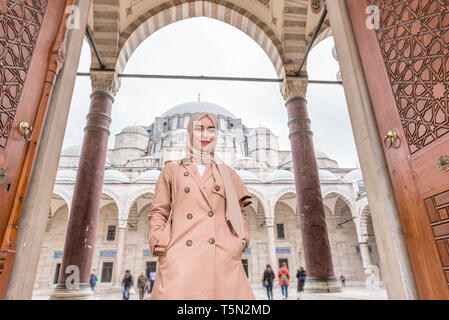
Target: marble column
{"type": "Point", "coordinates": [364, 252]}
{"type": "Point", "coordinates": [271, 243]}
{"type": "Point", "coordinates": [317, 252]}
{"type": "Point", "coordinates": [73, 282]}
{"type": "Point", "coordinates": [119, 256]}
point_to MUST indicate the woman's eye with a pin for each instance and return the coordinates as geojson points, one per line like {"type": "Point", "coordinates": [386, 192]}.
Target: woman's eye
{"type": "Point", "coordinates": [212, 130]}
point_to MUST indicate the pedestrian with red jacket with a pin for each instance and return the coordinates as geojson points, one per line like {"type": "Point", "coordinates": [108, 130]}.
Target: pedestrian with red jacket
{"type": "Point", "coordinates": [284, 280]}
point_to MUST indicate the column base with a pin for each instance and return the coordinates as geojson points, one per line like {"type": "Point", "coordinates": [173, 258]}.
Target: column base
{"type": "Point", "coordinates": [62, 293]}
{"type": "Point", "coordinates": [321, 285]}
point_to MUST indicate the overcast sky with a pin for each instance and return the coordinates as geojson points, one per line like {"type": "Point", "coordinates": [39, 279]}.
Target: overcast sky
{"type": "Point", "coordinates": [203, 46]}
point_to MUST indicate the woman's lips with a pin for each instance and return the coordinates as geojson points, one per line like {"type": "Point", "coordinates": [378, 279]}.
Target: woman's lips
{"type": "Point", "coordinates": [203, 143]}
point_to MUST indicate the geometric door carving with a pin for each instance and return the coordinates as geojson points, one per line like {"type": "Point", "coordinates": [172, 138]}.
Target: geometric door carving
{"type": "Point", "coordinates": [19, 29]}
{"type": "Point", "coordinates": [414, 41]}
{"type": "Point", "coordinates": [438, 212]}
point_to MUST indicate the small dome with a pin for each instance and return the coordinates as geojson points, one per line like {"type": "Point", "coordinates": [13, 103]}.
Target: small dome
{"type": "Point", "coordinates": [198, 106]}
{"type": "Point", "coordinates": [280, 175]}
{"type": "Point", "coordinates": [354, 175]}
{"type": "Point", "coordinates": [150, 175]}
{"type": "Point", "coordinates": [114, 175]}
{"type": "Point", "coordinates": [73, 151]}
{"type": "Point", "coordinates": [246, 175]}
{"type": "Point", "coordinates": [320, 154]}
{"type": "Point", "coordinates": [134, 129]}
{"type": "Point", "coordinates": [327, 175]}
{"type": "Point", "coordinates": [66, 175]}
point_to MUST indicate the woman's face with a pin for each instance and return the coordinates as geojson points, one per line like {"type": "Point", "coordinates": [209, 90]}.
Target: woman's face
{"type": "Point", "coordinates": [204, 133]}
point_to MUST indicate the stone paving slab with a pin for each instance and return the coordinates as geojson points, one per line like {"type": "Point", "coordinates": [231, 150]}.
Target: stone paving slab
{"type": "Point", "coordinates": [348, 293]}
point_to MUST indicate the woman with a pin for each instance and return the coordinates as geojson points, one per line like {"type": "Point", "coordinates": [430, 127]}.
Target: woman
{"type": "Point", "coordinates": [301, 275]}
{"type": "Point", "coordinates": [208, 230]}
{"type": "Point", "coordinates": [284, 280]}
{"type": "Point", "coordinates": [268, 276]}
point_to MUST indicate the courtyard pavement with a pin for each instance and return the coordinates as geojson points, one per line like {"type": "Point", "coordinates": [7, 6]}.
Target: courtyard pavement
{"type": "Point", "coordinates": [348, 293]}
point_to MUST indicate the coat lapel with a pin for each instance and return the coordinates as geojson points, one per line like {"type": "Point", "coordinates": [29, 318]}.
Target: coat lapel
{"type": "Point", "coordinates": [197, 178]}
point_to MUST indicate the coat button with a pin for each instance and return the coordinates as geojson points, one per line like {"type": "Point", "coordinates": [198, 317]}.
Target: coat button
{"type": "Point", "coordinates": [210, 214]}
{"type": "Point", "coordinates": [186, 173]}
{"type": "Point", "coordinates": [189, 216]}
{"type": "Point", "coordinates": [217, 188]}
{"type": "Point", "coordinates": [186, 189]}
{"type": "Point", "coordinates": [189, 242]}
{"type": "Point", "coordinates": [211, 240]}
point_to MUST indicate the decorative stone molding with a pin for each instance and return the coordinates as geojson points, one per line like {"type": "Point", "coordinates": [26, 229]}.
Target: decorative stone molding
{"type": "Point", "coordinates": [292, 88]}
{"type": "Point", "coordinates": [316, 6]}
{"type": "Point", "coordinates": [265, 3]}
{"type": "Point", "coordinates": [105, 81]}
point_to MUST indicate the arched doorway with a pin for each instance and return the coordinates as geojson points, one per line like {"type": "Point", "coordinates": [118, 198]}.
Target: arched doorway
{"type": "Point", "coordinates": [287, 234]}
{"type": "Point", "coordinates": [342, 230]}
{"type": "Point", "coordinates": [53, 244]}
{"type": "Point", "coordinates": [104, 260]}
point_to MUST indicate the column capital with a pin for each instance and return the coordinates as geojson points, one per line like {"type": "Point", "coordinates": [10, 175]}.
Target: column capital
{"type": "Point", "coordinates": [294, 87]}
{"type": "Point", "coordinates": [269, 221]}
{"type": "Point", "coordinates": [105, 81]}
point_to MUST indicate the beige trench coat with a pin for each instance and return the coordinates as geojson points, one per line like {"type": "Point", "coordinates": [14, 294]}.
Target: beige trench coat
{"type": "Point", "coordinates": [203, 259]}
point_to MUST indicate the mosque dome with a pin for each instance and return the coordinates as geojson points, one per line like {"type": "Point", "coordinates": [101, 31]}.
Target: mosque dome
{"type": "Point", "coordinates": [198, 106]}
{"type": "Point", "coordinates": [134, 129]}
{"type": "Point", "coordinates": [280, 175]}
{"type": "Point", "coordinates": [246, 175]}
{"type": "Point", "coordinates": [114, 175]}
{"type": "Point", "coordinates": [325, 175]}
{"type": "Point", "coordinates": [73, 151]}
{"type": "Point", "coordinates": [320, 154]}
{"type": "Point", "coordinates": [66, 175]}
{"type": "Point", "coordinates": [354, 175]}
{"type": "Point", "coordinates": [260, 130]}
{"type": "Point", "coordinates": [150, 175]}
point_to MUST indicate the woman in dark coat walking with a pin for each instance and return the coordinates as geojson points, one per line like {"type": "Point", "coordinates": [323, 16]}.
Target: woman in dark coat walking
{"type": "Point", "coordinates": [301, 275]}
{"type": "Point", "coordinates": [268, 278]}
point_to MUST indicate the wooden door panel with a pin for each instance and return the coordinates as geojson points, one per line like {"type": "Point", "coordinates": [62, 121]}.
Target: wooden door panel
{"type": "Point", "coordinates": [20, 28]}
{"type": "Point", "coordinates": [32, 40]}
{"type": "Point", "coordinates": [407, 72]}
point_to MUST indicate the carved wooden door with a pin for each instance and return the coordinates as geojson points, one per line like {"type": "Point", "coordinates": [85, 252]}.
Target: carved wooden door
{"type": "Point", "coordinates": [32, 38]}
{"type": "Point", "coordinates": [406, 63]}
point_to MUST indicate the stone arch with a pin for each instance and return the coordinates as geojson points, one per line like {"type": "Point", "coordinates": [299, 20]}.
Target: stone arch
{"type": "Point", "coordinates": [325, 32]}
{"type": "Point", "coordinates": [260, 196]}
{"type": "Point", "coordinates": [129, 202]}
{"type": "Point", "coordinates": [225, 11]}
{"type": "Point", "coordinates": [280, 193]}
{"type": "Point", "coordinates": [64, 196]}
{"type": "Point", "coordinates": [136, 209]}
{"type": "Point", "coordinates": [107, 216]}
{"type": "Point", "coordinates": [256, 215]}
{"type": "Point", "coordinates": [287, 219]}
{"type": "Point", "coordinates": [57, 211]}
{"type": "Point", "coordinates": [112, 195]}
{"type": "Point", "coordinates": [345, 197]}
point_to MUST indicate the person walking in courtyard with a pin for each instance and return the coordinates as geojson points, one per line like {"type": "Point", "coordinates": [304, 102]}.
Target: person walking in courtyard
{"type": "Point", "coordinates": [93, 279]}
{"type": "Point", "coordinates": [141, 284]}
{"type": "Point", "coordinates": [343, 281]}
{"type": "Point", "coordinates": [152, 279]}
{"type": "Point", "coordinates": [127, 283]}
{"type": "Point", "coordinates": [198, 224]}
{"type": "Point", "coordinates": [301, 276]}
{"type": "Point", "coordinates": [284, 280]}
{"type": "Point", "coordinates": [268, 277]}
